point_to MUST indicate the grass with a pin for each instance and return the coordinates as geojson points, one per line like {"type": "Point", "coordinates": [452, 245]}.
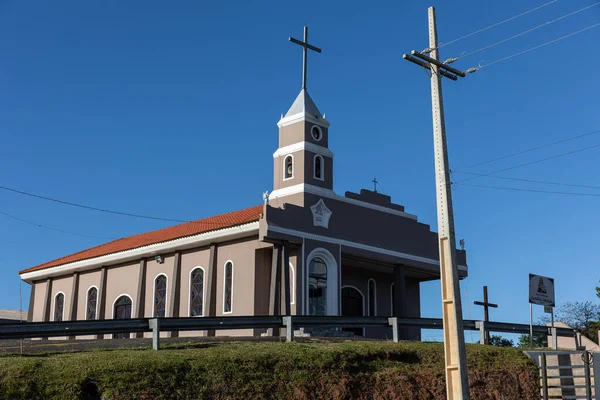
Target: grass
{"type": "Point", "coordinates": [253, 370]}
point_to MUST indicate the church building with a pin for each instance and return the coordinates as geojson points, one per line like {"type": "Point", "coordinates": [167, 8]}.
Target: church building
{"type": "Point", "coordinates": [306, 250]}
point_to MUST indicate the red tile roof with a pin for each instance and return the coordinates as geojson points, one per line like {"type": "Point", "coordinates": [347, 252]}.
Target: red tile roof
{"type": "Point", "coordinates": [162, 235]}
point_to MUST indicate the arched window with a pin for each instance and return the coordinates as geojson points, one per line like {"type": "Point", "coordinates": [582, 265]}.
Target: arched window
{"type": "Point", "coordinates": [59, 306]}
{"type": "Point", "coordinates": [317, 287]}
{"type": "Point", "coordinates": [160, 296]}
{"type": "Point", "coordinates": [393, 297]}
{"type": "Point", "coordinates": [91, 304]}
{"type": "Point", "coordinates": [228, 288]}
{"type": "Point", "coordinates": [352, 306]}
{"type": "Point", "coordinates": [372, 298]}
{"type": "Point", "coordinates": [122, 310]}
{"type": "Point", "coordinates": [318, 167]}
{"type": "Point", "coordinates": [197, 292]}
{"type": "Point", "coordinates": [288, 166]}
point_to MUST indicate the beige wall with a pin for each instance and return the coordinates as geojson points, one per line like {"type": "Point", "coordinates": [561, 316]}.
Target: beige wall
{"type": "Point", "coordinates": [39, 301]}
{"type": "Point", "coordinates": [86, 281]}
{"type": "Point", "coordinates": [121, 280]}
{"type": "Point", "coordinates": [153, 269]}
{"type": "Point", "coordinates": [64, 285]}
{"type": "Point", "coordinates": [189, 261]}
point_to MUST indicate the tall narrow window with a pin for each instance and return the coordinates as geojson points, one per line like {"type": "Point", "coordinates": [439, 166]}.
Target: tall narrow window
{"type": "Point", "coordinates": [372, 298]}
{"type": "Point", "coordinates": [288, 166]}
{"type": "Point", "coordinates": [197, 292]}
{"type": "Point", "coordinates": [59, 307]}
{"type": "Point", "coordinates": [317, 287]}
{"type": "Point", "coordinates": [160, 296]}
{"type": "Point", "coordinates": [318, 167]}
{"type": "Point", "coordinates": [91, 304]}
{"type": "Point", "coordinates": [293, 285]}
{"type": "Point", "coordinates": [228, 288]}
{"type": "Point", "coordinates": [122, 310]}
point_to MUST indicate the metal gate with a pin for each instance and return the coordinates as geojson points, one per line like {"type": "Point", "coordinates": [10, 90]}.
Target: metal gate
{"type": "Point", "coordinates": [569, 375]}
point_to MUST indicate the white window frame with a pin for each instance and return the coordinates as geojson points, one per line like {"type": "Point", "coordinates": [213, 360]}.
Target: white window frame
{"type": "Point", "coordinates": [369, 298]}
{"type": "Point", "coordinates": [166, 295]}
{"type": "Point", "coordinates": [54, 305]}
{"type": "Point", "coordinates": [293, 283]}
{"type": "Point", "coordinates": [333, 306]}
{"type": "Point", "coordinates": [87, 293]}
{"type": "Point", "coordinates": [203, 291]}
{"type": "Point", "coordinates": [132, 334]}
{"type": "Point", "coordinates": [225, 282]}
{"type": "Point", "coordinates": [293, 167]}
{"type": "Point", "coordinates": [322, 169]}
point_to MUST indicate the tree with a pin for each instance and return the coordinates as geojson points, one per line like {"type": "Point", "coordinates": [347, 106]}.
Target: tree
{"type": "Point", "coordinates": [582, 316]}
{"type": "Point", "coordinates": [496, 340]}
{"type": "Point", "coordinates": [539, 340]}
{"type": "Point", "coordinates": [598, 291]}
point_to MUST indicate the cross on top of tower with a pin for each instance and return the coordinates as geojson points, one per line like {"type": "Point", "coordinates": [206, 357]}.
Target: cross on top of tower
{"type": "Point", "coordinates": [305, 48]}
{"type": "Point", "coordinates": [375, 182]}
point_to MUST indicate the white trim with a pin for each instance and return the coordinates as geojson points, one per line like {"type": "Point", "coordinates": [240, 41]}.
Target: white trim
{"type": "Point", "coordinates": [233, 232]}
{"type": "Point", "coordinates": [361, 246]}
{"type": "Point", "coordinates": [166, 295]}
{"type": "Point", "coordinates": [54, 305]}
{"type": "Point", "coordinates": [392, 299]}
{"type": "Point", "coordinates": [293, 283]}
{"type": "Point", "coordinates": [132, 309]}
{"type": "Point", "coordinates": [190, 291]}
{"type": "Point", "coordinates": [87, 293]}
{"type": "Point", "coordinates": [302, 116]}
{"type": "Point", "coordinates": [308, 188]}
{"type": "Point", "coordinates": [333, 280]}
{"type": "Point", "coordinates": [225, 281]}
{"type": "Point", "coordinates": [301, 146]}
{"type": "Point", "coordinates": [363, 302]}
{"type": "Point", "coordinates": [322, 168]}
{"type": "Point", "coordinates": [320, 132]}
{"type": "Point", "coordinates": [369, 297]}
{"type": "Point", "coordinates": [285, 169]}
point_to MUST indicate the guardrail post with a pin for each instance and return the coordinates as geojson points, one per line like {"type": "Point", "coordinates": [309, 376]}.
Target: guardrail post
{"type": "Point", "coordinates": [393, 321]}
{"type": "Point", "coordinates": [289, 329]}
{"type": "Point", "coordinates": [554, 338]}
{"type": "Point", "coordinates": [154, 324]}
{"type": "Point", "coordinates": [481, 326]}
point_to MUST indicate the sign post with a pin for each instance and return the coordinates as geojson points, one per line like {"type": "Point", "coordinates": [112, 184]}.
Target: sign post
{"type": "Point", "coordinates": [541, 291]}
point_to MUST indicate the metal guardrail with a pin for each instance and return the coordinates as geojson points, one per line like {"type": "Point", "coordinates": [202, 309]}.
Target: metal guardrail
{"type": "Point", "coordinates": [156, 325]}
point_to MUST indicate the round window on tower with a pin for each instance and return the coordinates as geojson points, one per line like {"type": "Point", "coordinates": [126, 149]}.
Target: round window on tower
{"type": "Point", "coordinates": [316, 133]}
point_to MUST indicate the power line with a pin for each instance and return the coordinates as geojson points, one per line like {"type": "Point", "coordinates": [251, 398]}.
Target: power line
{"type": "Point", "coordinates": [539, 46]}
{"type": "Point", "coordinates": [53, 229]}
{"type": "Point", "coordinates": [532, 181]}
{"type": "Point", "coordinates": [527, 31]}
{"type": "Point", "coordinates": [531, 162]}
{"type": "Point", "coordinates": [496, 24]}
{"type": "Point", "coordinates": [102, 209]}
{"type": "Point", "coordinates": [531, 149]}
{"type": "Point", "coordinates": [529, 190]}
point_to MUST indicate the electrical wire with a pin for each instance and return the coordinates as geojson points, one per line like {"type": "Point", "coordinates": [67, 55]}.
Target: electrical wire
{"type": "Point", "coordinates": [531, 162]}
{"type": "Point", "coordinates": [104, 209]}
{"type": "Point", "coordinates": [496, 24]}
{"type": "Point", "coordinates": [539, 46]}
{"type": "Point", "coordinates": [527, 31]}
{"type": "Point", "coordinates": [53, 229]}
{"type": "Point", "coordinates": [529, 190]}
{"type": "Point", "coordinates": [533, 181]}
{"type": "Point", "coordinates": [531, 149]}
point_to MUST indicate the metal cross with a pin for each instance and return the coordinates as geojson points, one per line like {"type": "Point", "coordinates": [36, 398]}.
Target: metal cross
{"type": "Point", "coordinates": [375, 184]}
{"type": "Point", "coordinates": [306, 47]}
{"type": "Point", "coordinates": [486, 316]}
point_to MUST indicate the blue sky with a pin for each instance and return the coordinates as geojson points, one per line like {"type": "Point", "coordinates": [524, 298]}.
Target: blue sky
{"type": "Point", "coordinates": [172, 111]}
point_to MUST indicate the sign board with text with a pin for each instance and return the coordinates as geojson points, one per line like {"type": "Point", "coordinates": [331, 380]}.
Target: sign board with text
{"type": "Point", "coordinates": [541, 290]}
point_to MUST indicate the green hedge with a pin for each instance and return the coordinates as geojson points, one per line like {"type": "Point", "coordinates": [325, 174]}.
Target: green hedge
{"type": "Point", "coordinates": [260, 370]}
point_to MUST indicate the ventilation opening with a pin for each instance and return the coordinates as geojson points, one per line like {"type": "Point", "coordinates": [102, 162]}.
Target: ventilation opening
{"type": "Point", "coordinates": [89, 391]}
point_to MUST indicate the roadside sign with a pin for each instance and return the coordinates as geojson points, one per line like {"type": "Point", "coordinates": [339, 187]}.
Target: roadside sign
{"type": "Point", "coordinates": [548, 309]}
{"type": "Point", "coordinates": [541, 290]}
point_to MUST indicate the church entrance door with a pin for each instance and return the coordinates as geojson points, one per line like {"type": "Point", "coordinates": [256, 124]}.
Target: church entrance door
{"type": "Point", "coordinates": [122, 311]}
{"type": "Point", "coordinates": [352, 306]}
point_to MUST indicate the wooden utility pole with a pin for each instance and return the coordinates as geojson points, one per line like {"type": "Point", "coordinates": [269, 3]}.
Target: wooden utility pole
{"type": "Point", "coordinates": [486, 315]}
{"type": "Point", "coordinates": [457, 384]}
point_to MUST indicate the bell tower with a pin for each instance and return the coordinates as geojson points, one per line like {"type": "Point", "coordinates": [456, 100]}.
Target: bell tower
{"type": "Point", "coordinates": [303, 160]}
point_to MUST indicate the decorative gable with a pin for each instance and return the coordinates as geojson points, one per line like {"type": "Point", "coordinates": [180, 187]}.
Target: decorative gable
{"type": "Point", "coordinates": [321, 214]}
